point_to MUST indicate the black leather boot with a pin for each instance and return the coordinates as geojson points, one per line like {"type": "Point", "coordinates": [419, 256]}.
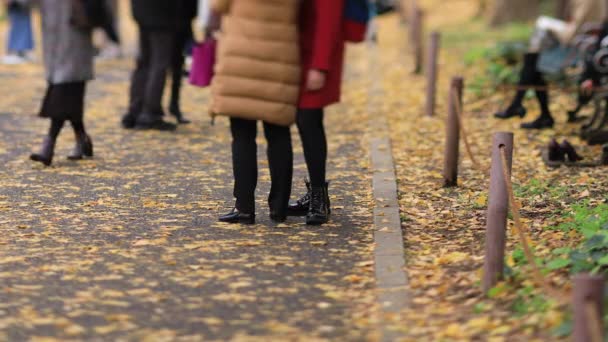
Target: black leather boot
{"type": "Point", "coordinates": [319, 210]}
{"type": "Point", "coordinates": [541, 122]}
{"type": "Point", "coordinates": [278, 217]}
{"type": "Point", "coordinates": [128, 121]}
{"type": "Point", "coordinates": [570, 151]}
{"type": "Point", "coordinates": [529, 76]}
{"type": "Point", "coordinates": [556, 153]}
{"type": "Point", "coordinates": [512, 111]}
{"type": "Point", "coordinates": [300, 208]}
{"type": "Point", "coordinates": [83, 148]}
{"type": "Point", "coordinates": [45, 156]}
{"type": "Point", "coordinates": [179, 115]}
{"type": "Point", "coordinates": [149, 121]}
{"type": "Point", "coordinates": [236, 216]}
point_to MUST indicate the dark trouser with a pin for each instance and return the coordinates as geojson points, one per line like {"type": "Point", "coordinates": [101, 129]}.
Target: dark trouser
{"type": "Point", "coordinates": [244, 163]}
{"type": "Point", "coordinates": [148, 81]}
{"type": "Point", "coordinates": [314, 143]}
{"type": "Point", "coordinates": [177, 65]}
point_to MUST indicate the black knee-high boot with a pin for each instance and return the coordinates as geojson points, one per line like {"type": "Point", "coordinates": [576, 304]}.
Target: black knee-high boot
{"type": "Point", "coordinates": [84, 144]}
{"type": "Point", "coordinates": [529, 76]}
{"type": "Point", "coordinates": [545, 120]}
{"type": "Point", "coordinates": [45, 156]}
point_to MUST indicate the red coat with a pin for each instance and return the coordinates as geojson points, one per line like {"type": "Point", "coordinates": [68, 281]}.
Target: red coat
{"type": "Point", "coordinates": [322, 48]}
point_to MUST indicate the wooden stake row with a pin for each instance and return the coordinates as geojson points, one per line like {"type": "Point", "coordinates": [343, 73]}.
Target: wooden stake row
{"type": "Point", "coordinates": [588, 296]}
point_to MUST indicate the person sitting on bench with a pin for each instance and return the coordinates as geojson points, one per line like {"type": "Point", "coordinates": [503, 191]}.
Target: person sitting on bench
{"type": "Point", "coordinates": [547, 31]}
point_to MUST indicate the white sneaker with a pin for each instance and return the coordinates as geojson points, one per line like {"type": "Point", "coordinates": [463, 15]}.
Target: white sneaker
{"type": "Point", "coordinates": [13, 60]}
{"type": "Point", "coordinates": [110, 51]}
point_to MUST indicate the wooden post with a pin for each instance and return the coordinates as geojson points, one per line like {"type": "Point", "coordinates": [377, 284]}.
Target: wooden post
{"type": "Point", "coordinates": [417, 28]}
{"type": "Point", "coordinates": [452, 141]}
{"type": "Point", "coordinates": [498, 208]}
{"type": "Point", "coordinates": [588, 289]}
{"type": "Point", "coordinates": [604, 155]}
{"type": "Point", "coordinates": [431, 73]}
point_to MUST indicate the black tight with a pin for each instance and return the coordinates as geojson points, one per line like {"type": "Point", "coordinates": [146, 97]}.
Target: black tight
{"type": "Point", "coordinates": [57, 126]}
{"type": "Point", "coordinates": [314, 143]}
{"type": "Point", "coordinates": [78, 127]}
{"type": "Point", "coordinates": [245, 167]}
{"type": "Point", "coordinates": [55, 129]}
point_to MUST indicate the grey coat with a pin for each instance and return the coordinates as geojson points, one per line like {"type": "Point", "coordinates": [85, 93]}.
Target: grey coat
{"type": "Point", "coordinates": [68, 51]}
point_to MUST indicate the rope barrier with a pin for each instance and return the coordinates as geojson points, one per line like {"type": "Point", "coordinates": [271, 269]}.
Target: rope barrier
{"type": "Point", "coordinates": [539, 279]}
{"type": "Point", "coordinates": [562, 297]}
{"type": "Point", "coordinates": [465, 138]}
{"type": "Point", "coordinates": [594, 322]}
{"type": "Point", "coordinates": [547, 88]}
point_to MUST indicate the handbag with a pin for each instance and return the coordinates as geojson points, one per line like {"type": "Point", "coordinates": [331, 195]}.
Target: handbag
{"type": "Point", "coordinates": [552, 62]}
{"type": "Point", "coordinates": [203, 62]}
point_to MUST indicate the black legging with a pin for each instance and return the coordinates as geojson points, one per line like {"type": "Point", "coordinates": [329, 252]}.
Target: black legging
{"type": "Point", "coordinates": [245, 164]}
{"type": "Point", "coordinates": [177, 66]}
{"type": "Point", "coordinates": [314, 143]}
{"type": "Point", "coordinates": [57, 126]}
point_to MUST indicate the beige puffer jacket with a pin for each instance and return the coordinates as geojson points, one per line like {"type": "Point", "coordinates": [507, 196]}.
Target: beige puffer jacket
{"type": "Point", "coordinates": [257, 75]}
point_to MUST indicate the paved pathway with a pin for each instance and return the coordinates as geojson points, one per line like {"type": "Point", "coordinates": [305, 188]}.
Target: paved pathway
{"type": "Point", "coordinates": [127, 245]}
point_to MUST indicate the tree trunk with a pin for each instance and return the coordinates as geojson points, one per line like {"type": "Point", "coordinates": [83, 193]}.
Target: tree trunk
{"type": "Point", "coordinates": [561, 9]}
{"type": "Point", "coordinates": [505, 11]}
{"type": "Point", "coordinates": [482, 8]}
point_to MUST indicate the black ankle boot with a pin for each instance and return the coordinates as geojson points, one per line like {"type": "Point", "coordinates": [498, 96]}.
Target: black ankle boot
{"type": "Point", "coordinates": [300, 208]}
{"type": "Point", "coordinates": [319, 210]}
{"type": "Point", "coordinates": [179, 116]}
{"type": "Point", "coordinates": [528, 76]}
{"type": "Point", "coordinates": [278, 217]}
{"type": "Point", "coordinates": [541, 122]}
{"type": "Point", "coordinates": [236, 216]}
{"type": "Point", "coordinates": [45, 156]}
{"type": "Point", "coordinates": [83, 148]}
{"type": "Point", "coordinates": [512, 111]}
{"type": "Point", "coordinates": [556, 153]}
{"type": "Point", "coordinates": [570, 152]}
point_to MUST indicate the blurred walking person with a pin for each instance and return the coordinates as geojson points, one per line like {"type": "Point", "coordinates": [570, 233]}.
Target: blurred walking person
{"type": "Point", "coordinates": [322, 51]}
{"type": "Point", "coordinates": [68, 59]}
{"type": "Point", "coordinates": [20, 37]}
{"type": "Point", "coordinates": [158, 22]}
{"type": "Point", "coordinates": [257, 78]}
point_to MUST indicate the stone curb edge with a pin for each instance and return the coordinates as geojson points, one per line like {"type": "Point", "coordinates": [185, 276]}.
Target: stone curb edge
{"type": "Point", "coordinates": [389, 250]}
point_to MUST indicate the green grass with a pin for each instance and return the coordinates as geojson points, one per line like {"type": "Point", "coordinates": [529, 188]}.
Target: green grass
{"type": "Point", "coordinates": [476, 35]}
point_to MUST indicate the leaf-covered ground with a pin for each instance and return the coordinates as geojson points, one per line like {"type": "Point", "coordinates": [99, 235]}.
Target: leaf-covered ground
{"type": "Point", "coordinates": [126, 246]}
{"type": "Point", "coordinates": [445, 228]}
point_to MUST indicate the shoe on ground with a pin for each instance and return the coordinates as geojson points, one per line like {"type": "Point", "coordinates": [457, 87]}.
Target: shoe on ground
{"type": "Point", "coordinates": [128, 121]}
{"type": "Point", "coordinates": [236, 216]}
{"type": "Point", "coordinates": [541, 122]}
{"type": "Point", "coordinates": [13, 60]}
{"type": "Point", "coordinates": [150, 122]}
{"type": "Point", "coordinates": [301, 206]}
{"type": "Point", "coordinates": [45, 156]}
{"type": "Point", "coordinates": [83, 149]}
{"type": "Point", "coordinates": [179, 116]}
{"type": "Point", "coordinates": [319, 211]}
{"type": "Point", "coordinates": [277, 217]}
{"type": "Point", "coordinates": [511, 112]}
